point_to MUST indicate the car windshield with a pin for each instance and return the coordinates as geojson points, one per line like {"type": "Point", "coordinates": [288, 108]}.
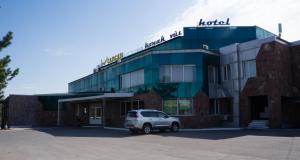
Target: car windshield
{"type": "Point", "coordinates": [131, 114]}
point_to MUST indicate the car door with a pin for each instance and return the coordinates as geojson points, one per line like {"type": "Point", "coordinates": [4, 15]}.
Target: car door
{"type": "Point", "coordinates": [155, 119]}
{"type": "Point", "coordinates": [163, 119]}
{"type": "Point", "coordinates": [148, 116]}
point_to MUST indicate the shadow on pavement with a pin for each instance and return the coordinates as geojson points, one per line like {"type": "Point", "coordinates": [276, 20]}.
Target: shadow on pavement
{"type": "Point", "coordinates": [210, 135]}
{"type": "Point", "coordinates": [216, 135]}
{"type": "Point", "coordinates": [83, 132]}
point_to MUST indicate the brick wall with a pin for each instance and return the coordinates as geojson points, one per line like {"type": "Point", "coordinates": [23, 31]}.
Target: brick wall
{"type": "Point", "coordinates": [274, 79]}
{"type": "Point", "coordinates": [23, 110]}
{"type": "Point", "coordinates": [296, 69]}
{"type": "Point", "coordinates": [201, 117]}
{"type": "Point", "coordinates": [112, 113]}
{"type": "Point", "coordinates": [47, 118]}
{"type": "Point", "coordinates": [151, 100]}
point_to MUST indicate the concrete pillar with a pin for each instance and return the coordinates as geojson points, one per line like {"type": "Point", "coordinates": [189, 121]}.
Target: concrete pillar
{"type": "Point", "coordinates": [236, 110]}
{"type": "Point", "coordinates": [103, 112]}
{"type": "Point", "coordinates": [58, 113]}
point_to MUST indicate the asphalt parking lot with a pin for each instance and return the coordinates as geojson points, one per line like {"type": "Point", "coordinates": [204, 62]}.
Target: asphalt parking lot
{"type": "Point", "coordinates": [96, 143]}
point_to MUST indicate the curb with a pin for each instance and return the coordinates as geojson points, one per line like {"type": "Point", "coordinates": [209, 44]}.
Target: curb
{"type": "Point", "coordinates": [91, 126]}
{"type": "Point", "coordinates": [211, 129]}
{"type": "Point", "coordinates": [186, 130]}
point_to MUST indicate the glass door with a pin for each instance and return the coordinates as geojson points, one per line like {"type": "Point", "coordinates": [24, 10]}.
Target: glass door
{"type": "Point", "coordinates": [95, 114]}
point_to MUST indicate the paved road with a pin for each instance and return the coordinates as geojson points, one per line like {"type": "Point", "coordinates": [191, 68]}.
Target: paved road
{"type": "Point", "coordinates": [100, 144]}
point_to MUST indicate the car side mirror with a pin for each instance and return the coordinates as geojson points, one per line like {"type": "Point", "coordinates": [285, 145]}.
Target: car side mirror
{"type": "Point", "coordinates": [166, 116]}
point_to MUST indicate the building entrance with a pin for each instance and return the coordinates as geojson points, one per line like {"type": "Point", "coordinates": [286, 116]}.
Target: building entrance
{"type": "Point", "coordinates": [259, 108]}
{"type": "Point", "coordinates": [290, 112]}
{"type": "Point", "coordinates": [95, 112]}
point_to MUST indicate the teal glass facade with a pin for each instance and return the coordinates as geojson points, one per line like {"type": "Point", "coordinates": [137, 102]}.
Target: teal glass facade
{"type": "Point", "coordinates": [185, 50]}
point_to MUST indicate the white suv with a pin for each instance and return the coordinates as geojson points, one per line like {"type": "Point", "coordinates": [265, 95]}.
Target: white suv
{"type": "Point", "coordinates": [147, 120]}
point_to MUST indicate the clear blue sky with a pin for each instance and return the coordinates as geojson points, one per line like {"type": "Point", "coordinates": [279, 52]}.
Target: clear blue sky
{"type": "Point", "coordinates": [58, 41]}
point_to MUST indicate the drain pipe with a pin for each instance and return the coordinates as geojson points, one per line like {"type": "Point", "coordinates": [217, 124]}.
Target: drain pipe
{"type": "Point", "coordinates": [239, 67]}
{"type": "Point", "coordinates": [239, 79]}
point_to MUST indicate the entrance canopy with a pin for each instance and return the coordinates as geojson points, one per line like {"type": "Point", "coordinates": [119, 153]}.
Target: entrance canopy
{"type": "Point", "coordinates": [91, 98]}
{"type": "Point", "coordinates": [105, 95]}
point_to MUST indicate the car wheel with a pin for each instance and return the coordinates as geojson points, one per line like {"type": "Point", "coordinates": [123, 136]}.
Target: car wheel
{"type": "Point", "coordinates": [175, 127]}
{"type": "Point", "coordinates": [147, 129]}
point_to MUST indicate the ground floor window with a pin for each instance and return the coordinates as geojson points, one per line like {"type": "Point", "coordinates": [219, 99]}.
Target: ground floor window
{"type": "Point", "coordinates": [180, 107]}
{"type": "Point", "coordinates": [221, 106]}
{"type": "Point", "coordinates": [170, 107]}
{"type": "Point", "coordinates": [130, 105]}
{"type": "Point", "coordinates": [214, 107]}
{"type": "Point", "coordinates": [80, 110]}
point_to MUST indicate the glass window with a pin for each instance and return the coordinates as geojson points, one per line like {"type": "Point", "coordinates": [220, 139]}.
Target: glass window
{"type": "Point", "coordinates": [127, 106]}
{"type": "Point", "coordinates": [92, 112]}
{"type": "Point", "coordinates": [226, 72]}
{"type": "Point", "coordinates": [177, 73]}
{"type": "Point", "coordinates": [165, 73]}
{"type": "Point", "coordinates": [140, 77]}
{"type": "Point", "coordinates": [161, 115]}
{"type": "Point", "coordinates": [170, 107]}
{"type": "Point", "coordinates": [132, 114]}
{"type": "Point", "coordinates": [249, 68]}
{"type": "Point", "coordinates": [184, 107]}
{"type": "Point", "coordinates": [153, 114]}
{"type": "Point", "coordinates": [145, 114]}
{"type": "Point", "coordinates": [132, 79]}
{"type": "Point", "coordinates": [126, 81]}
{"type": "Point", "coordinates": [189, 73]}
{"type": "Point", "coordinates": [98, 112]}
{"type": "Point", "coordinates": [211, 77]}
{"type": "Point", "coordinates": [214, 107]}
{"type": "Point", "coordinates": [178, 107]}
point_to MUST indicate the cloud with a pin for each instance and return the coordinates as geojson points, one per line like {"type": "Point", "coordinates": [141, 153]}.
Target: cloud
{"type": "Point", "coordinates": [56, 52]}
{"type": "Point", "coordinates": [264, 13]}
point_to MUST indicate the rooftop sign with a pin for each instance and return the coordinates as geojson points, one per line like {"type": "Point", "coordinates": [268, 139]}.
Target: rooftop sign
{"type": "Point", "coordinates": [154, 43]}
{"type": "Point", "coordinates": [213, 23]}
{"type": "Point", "coordinates": [112, 59]}
{"type": "Point", "coordinates": [162, 39]}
